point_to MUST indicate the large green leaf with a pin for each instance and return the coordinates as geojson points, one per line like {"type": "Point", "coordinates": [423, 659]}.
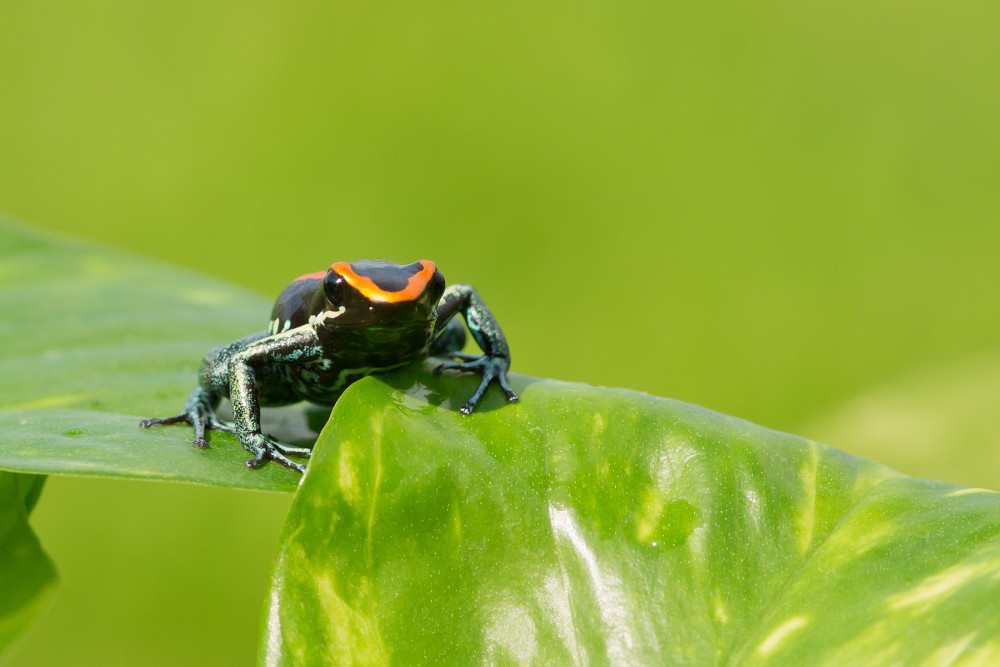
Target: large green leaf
{"type": "Point", "coordinates": [594, 526]}
{"type": "Point", "coordinates": [94, 340]}
{"type": "Point", "coordinates": [27, 577]}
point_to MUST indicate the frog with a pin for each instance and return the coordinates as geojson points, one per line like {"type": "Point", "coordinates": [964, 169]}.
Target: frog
{"type": "Point", "coordinates": [329, 329]}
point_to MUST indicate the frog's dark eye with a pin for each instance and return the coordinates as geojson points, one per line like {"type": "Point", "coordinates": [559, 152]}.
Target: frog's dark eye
{"type": "Point", "coordinates": [435, 287]}
{"type": "Point", "coordinates": [335, 288]}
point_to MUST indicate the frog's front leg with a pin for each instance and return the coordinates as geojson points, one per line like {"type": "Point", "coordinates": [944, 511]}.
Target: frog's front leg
{"type": "Point", "coordinates": [494, 364]}
{"type": "Point", "coordinates": [297, 346]}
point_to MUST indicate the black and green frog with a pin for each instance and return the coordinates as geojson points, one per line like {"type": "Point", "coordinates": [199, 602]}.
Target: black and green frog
{"type": "Point", "coordinates": [331, 328]}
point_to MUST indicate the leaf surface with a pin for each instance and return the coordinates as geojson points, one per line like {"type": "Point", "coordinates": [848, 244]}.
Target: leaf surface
{"type": "Point", "coordinates": [98, 340]}
{"type": "Point", "coordinates": [596, 526]}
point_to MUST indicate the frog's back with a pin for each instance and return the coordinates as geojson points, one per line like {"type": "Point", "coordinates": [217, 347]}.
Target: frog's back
{"type": "Point", "coordinates": [300, 299]}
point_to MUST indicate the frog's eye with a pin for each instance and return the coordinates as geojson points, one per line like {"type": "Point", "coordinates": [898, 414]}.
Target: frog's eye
{"type": "Point", "coordinates": [435, 287]}
{"type": "Point", "coordinates": [335, 288]}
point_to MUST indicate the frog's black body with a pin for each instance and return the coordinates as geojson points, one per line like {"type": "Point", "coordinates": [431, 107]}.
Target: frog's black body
{"type": "Point", "coordinates": [372, 346]}
{"type": "Point", "coordinates": [331, 328]}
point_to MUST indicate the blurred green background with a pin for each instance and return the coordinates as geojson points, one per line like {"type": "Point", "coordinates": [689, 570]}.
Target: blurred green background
{"type": "Point", "coordinates": [768, 209]}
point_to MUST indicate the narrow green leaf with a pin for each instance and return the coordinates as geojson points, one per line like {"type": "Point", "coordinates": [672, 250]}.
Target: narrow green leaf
{"type": "Point", "coordinates": [87, 442]}
{"type": "Point", "coordinates": [27, 576]}
{"type": "Point", "coordinates": [595, 526]}
{"type": "Point", "coordinates": [97, 339]}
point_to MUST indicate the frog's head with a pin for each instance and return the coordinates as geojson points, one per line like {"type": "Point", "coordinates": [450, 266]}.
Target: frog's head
{"type": "Point", "coordinates": [376, 292]}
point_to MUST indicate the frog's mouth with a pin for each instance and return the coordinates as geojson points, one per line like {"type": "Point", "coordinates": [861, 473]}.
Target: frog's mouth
{"type": "Point", "coordinates": [393, 318]}
{"type": "Point", "coordinates": [326, 315]}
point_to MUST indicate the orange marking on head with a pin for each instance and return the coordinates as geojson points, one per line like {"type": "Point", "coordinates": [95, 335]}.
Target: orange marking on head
{"type": "Point", "coordinates": [414, 286]}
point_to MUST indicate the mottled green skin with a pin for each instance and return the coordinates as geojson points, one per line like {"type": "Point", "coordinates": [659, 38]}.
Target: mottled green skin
{"type": "Point", "coordinates": [325, 334]}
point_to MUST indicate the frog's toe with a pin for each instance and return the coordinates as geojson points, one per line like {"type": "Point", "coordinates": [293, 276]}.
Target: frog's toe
{"type": "Point", "coordinates": [292, 450]}
{"type": "Point", "coordinates": [473, 401]}
{"type": "Point", "coordinates": [492, 369]}
{"type": "Point", "coordinates": [158, 421]}
{"type": "Point", "coordinates": [465, 356]}
{"type": "Point", "coordinates": [266, 449]}
{"type": "Point", "coordinates": [191, 417]}
{"type": "Point", "coordinates": [277, 457]}
{"type": "Point", "coordinates": [259, 459]}
{"type": "Point", "coordinates": [508, 392]}
{"type": "Point", "coordinates": [470, 364]}
{"type": "Point", "coordinates": [215, 424]}
{"type": "Point", "coordinates": [198, 417]}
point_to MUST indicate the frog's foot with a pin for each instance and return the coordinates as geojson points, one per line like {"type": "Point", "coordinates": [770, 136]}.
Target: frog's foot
{"type": "Point", "coordinates": [491, 368]}
{"type": "Point", "coordinates": [199, 417]}
{"type": "Point", "coordinates": [265, 448]}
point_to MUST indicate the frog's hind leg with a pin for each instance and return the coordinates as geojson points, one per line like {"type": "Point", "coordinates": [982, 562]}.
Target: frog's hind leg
{"type": "Point", "coordinates": [213, 384]}
{"type": "Point", "coordinates": [199, 412]}
{"type": "Point", "coordinates": [233, 372]}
